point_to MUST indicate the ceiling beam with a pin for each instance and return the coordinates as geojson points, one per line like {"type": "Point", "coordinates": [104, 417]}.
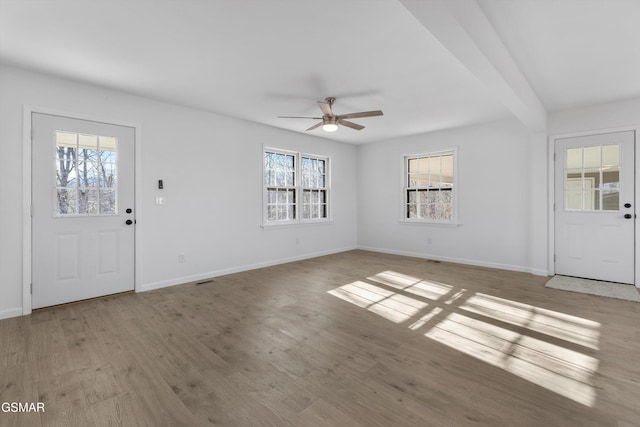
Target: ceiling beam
{"type": "Point", "coordinates": [464, 30]}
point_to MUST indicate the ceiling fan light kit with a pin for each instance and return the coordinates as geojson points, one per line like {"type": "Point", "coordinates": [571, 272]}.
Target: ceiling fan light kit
{"type": "Point", "coordinates": [330, 121]}
{"type": "Point", "coordinates": [329, 124]}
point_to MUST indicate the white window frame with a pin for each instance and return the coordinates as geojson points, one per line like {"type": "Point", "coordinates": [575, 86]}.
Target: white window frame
{"type": "Point", "coordinates": [454, 190]}
{"type": "Point", "coordinates": [298, 189]}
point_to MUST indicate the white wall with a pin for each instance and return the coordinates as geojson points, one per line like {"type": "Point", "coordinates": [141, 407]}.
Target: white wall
{"type": "Point", "coordinates": [500, 219]}
{"type": "Point", "coordinates": [595, 117]}
{"type": "Point", "coordinates": [211, 166]}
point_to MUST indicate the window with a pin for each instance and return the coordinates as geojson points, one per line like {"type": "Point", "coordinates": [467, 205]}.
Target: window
{"type": "Point", "coordinates": [280, 187]}
{"type": "Point", "coordinates": [592, 178]}
{"type": "Point", "coordinates": [430, 187]}
{"type": "Point", "coordinates": [314, 188]}
{"type": "Point", "coordinates": [86, 171]}
{"type": "Point", "coordinates": [295, 187]}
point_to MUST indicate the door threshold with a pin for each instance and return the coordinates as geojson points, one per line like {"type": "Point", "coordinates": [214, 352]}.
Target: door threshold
{"type": "Point", "coordinates": [82, 301]}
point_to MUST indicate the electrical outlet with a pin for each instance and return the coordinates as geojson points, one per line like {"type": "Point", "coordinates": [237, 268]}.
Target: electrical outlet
{"type": "Point", "coordinates": [181, 257]}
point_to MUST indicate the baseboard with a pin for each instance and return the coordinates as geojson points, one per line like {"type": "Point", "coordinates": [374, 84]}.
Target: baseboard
{"type": "Point", "coordinates": [239, 269]}
{"type": "Point", "coordinates": [454, 260]}
{"type": "Point", "coordinates": [13, 312]}
{"type": "Point", "coordinates": [539, 272]}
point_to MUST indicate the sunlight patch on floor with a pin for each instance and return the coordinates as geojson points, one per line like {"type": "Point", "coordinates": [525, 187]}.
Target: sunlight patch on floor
{"type": "Point", "coordinates": [361, 293]}
{"type": "Point", "coordinates": [563, 371]}
{"type": "Point", "coordinates": [385, 303]}
{"type": "Point", "coordinates": [519, 349]}
{"type": "Point", "coordinates": [559, 325]}
{"type": "Point", "coordinates": [412, 285]}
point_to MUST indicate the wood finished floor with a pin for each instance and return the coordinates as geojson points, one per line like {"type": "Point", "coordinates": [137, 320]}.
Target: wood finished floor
{"type": "Point", "coordinates": [273, 347]}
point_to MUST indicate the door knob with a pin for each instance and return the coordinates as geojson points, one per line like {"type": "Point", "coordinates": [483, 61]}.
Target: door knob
{"type": "Point", "coordinates": [627, 205]}
{"type": "Point", "coordinates": [627, 216]}
{"type": "Point", "coordinates": [128, 222]}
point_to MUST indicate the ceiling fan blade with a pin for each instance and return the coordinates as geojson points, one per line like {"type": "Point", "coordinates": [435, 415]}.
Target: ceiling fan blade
{"type": "Point", "coordinates": [299, 117]}
{"type": "Point", "coordinates": [350, 124]}
{"type": "Point", "coordinates": [326, 108]}
{"type": "Point", "coordinates": [361, 114]}
{"type": "Point", "coordinates": [315, 126]}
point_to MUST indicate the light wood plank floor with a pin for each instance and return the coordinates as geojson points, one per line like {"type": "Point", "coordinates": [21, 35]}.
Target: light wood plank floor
{"type": "Point", "coordinates": [356, 338]}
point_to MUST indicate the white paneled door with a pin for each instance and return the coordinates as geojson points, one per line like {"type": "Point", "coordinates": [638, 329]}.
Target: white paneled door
{"type": "Point", "coordinates": [595, 206]}
{"type": "Point", "coordinates": [83, 209]}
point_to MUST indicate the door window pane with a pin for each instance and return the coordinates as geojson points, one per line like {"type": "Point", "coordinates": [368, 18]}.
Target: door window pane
{"type": "Point", "coordinates": [107, 201]}
{"type": "Point", "coordinates": [574, 158]}
{"type": "Point", "coordinates": [88, 201]}
{"type": "Point", "coordinates": [611, 178]}
{"type": "Point", "coordinates": [592, 157]}
{"type": "Point", "coordinates": [66, 201]}
{"type": "Point", "coordinates": [86, 174]}
{"type": "Point", "coordinates": [611, 200]}
{"type": "Point", "coordinates": [592, 178]}
{"type": "Point", "coordinates": [610, 155]}
{"type": "Point", "coordinates": [611, 188]}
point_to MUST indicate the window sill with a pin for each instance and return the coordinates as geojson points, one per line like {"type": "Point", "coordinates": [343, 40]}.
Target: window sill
{"type": "Point", "coordinates": [431, 224]}
{"type": "Point", "coordinates": [294, 224]}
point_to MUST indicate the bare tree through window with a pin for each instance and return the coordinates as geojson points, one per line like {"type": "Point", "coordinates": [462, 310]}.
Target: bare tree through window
{"type": "Point", "coordinates": [86, 174]}
{"type": "Point", "coordinates": [429, 187]}
{"type": "Point", "coordinates": [296, 187]}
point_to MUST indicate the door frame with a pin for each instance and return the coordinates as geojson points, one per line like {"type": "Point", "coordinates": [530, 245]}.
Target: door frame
{"type": "Point", "coordinates": [27, 260]}
{"type": "Point", "coordinates": [552, 196]}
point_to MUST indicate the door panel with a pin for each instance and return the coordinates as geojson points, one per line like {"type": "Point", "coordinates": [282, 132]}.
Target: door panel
{"type": "Point", "coordinates": [107, 253]}
{"type": "Point", "coordinates": [594, 188]}
{"type": "Point", "coordinates": [67, 256]}
{"type": "Point", "coordinates": [575, 241]}
{"type": "Point", "coordinates": [82, 184]}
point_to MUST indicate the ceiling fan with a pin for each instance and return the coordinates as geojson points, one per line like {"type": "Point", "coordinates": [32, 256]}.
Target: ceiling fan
{"type": "Point", "coordinates": [331, 121]}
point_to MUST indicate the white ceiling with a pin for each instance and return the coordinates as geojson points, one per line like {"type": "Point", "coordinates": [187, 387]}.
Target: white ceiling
{"type": "Point", "coordinates": [428, 64]}
{"type": "Point", "coordinates": [573, 52]}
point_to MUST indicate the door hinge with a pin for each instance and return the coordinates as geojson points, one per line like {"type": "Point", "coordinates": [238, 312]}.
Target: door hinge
{"type": "Point", "coordinates": [554, 157]}
{"type": "Point", "coordinates": [31, 288]}
{"type": "Point", "coordinates": [554, 257]}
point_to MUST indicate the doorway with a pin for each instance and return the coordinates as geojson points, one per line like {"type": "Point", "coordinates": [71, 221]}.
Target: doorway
{"type": "Point", "coordinates": [83, 201]}
{"type": "Point", "coordinates": [595, 206]}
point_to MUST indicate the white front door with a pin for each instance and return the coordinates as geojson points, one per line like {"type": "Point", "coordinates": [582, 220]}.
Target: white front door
{"type": "Point", "coordinates": [595, 206]}
{"type": "Point", "coordinates": [83, 200]}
